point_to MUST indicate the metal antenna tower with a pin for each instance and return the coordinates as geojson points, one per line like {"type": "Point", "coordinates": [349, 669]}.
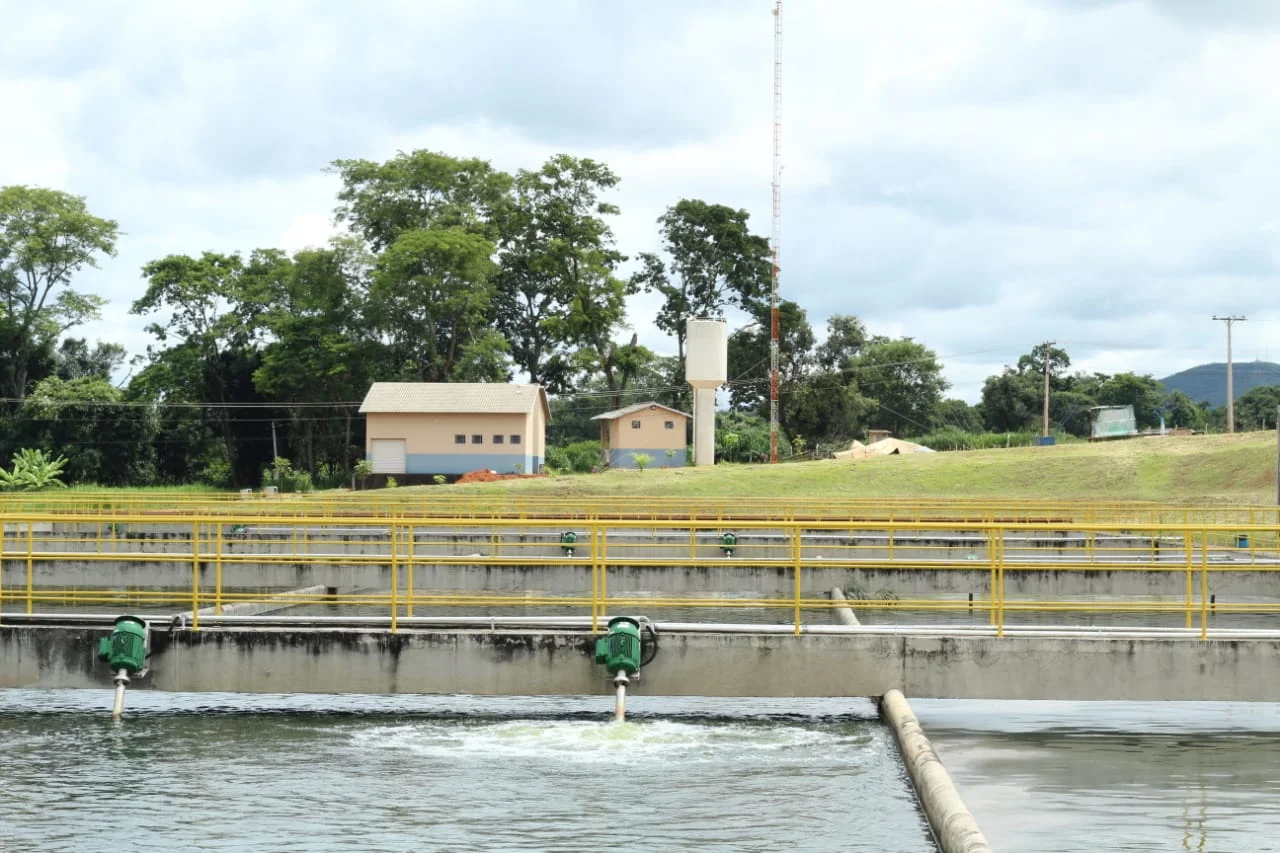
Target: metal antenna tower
{"type": "Point", "coordinates": [777, 230]}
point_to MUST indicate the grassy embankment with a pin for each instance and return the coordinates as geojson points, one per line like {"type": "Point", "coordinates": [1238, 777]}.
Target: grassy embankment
{"type": "Point", "coordinates": [1200, 469]}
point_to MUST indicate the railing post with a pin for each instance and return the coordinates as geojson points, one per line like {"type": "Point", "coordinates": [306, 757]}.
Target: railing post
{"type": "Point", "coordinates": [408, 592]}
{"type": "Point", "coordinates": [604, 568]}
{"type": "Point", "coordinates": [1204, 585]}
{"type": "Point", "coordinates": [395, 579]}
{"type": "Point", "coordinates": [217, 573]}
{"type": "Point", "coordinates": [2, 544]}
{"type": "Point", "coordinates": [30, 561]}
{"type": "Point", "coordinates": [992, 557]}
{"type": "Point", "coordinates": [195, 576]}
{"type": "Point", "coordinates": [795, 571]}
{"type": "Point", "coordinates": [1187, 539]}
{"type": "Point", "coordinates": [1000, 611]}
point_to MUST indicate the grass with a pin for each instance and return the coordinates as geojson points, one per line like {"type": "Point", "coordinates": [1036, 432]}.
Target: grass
{"type": "Point", "coordinates": [1200, 469]}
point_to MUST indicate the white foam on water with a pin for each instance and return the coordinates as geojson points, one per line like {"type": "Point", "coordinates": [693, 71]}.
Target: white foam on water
{"type": "Point", "coordinates": [587, 741]}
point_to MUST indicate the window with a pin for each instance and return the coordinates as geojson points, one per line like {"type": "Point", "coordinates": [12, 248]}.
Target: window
{"type": "Point", "coordinates": [635, 425]}
{"type": "Point", "coordinates": [515, 438]}
{"type": "Point", "coordinates": [459, 439]}
{"type": "Point", "coordinates": [477, 439]}
{"type": "Point", "coordinates": [497, 439]}
{"type": "Point", "coordinates": [670, 424]}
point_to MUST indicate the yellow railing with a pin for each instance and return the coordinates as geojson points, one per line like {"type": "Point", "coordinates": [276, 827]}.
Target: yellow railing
{"type": "Point", "coordinates": [385, 558]}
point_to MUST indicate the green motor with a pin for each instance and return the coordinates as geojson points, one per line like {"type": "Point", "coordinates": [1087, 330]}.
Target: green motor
{"type": "Point", "coordinates": [619, 649]}
{"type": "Point", "coordinates": [126, 648]}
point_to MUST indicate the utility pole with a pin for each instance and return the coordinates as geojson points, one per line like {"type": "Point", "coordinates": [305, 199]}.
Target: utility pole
{"type": "Point", "coordinates": [1277, 455]}
{"type": "Point", "coordinates": [1047, 346]}
{"type": "Point", "coordinates": [275, 451]}
{"type": "Point", "coordinates": [1231, 392]}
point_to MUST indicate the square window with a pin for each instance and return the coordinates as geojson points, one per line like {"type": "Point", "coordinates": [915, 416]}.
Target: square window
{"type": "Point", "coordinates": [670, 424]}
{"type": "Point", "coordinates": [635, 425]}
{"type": "Point", "coordinates": [477, 439]}
{"type": "Point", "coordinates": [515, 438]}
{"type": "Point", "coordinates": [459, 439]}
{"type": "Point", "coordinates": [497, 439]}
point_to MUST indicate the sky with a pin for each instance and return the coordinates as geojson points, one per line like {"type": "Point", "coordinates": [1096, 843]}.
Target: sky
{"type": "Point", "coordinates": [980, 176]}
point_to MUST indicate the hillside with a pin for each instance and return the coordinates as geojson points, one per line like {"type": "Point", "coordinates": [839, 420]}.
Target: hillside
{"type": "Point", "coordinates": [1219, 468]}
{"type": "Point", "coordinates": [1209, 381]}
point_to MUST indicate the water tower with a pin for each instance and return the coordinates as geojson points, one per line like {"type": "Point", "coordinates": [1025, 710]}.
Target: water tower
{"type": "Point", "coordinates": [706, 368]}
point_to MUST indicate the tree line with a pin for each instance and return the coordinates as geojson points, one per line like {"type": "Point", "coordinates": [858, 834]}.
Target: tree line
{"type": "Point", "coordinates": [447, 269]}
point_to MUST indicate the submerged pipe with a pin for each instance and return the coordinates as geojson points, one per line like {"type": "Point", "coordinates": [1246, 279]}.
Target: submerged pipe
{"type": "Point", "coordinates": [620, 697]}
{"type": "Point", "coordinates": [117, 709]}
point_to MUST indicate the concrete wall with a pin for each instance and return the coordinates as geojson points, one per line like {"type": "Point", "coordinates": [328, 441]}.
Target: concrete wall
{"type": "Point", "coordinates": [618, 458]}
{"type": "Point", "coordinates": [431, 441]}
{"type": "Point", "coordinates": [652, 432]}
{"type": "Point", "coordinates": [560, 663]}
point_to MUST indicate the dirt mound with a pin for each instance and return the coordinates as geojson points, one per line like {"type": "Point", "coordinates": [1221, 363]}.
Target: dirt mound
{"type": "Point", "coordinates": [487, 476]}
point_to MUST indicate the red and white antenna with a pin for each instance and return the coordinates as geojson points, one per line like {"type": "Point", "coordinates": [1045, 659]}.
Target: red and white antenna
{"type": "Point", "coordinates": [777, 230]}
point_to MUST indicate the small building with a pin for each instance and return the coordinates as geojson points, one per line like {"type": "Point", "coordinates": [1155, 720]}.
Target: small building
{"type": "Point", "coordinates": [659, 432]}
{"type": "Point", "coordinates": [420, 429]}
{"type": "Point", "coordinates": [1112, 422]}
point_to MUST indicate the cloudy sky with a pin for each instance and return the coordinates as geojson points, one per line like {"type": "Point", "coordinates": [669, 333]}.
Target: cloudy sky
{"type": "Point", "coordinates": [980, 175]}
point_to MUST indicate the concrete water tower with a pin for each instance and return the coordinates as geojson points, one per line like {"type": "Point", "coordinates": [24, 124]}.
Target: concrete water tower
{"type": "Point", "coordinates": [706, 368]}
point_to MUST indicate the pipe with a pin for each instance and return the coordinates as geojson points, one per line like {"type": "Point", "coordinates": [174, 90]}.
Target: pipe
{"type": "Point", "coordinates": [117, 709]}
{"type": "Point", "coordinates": [620, 697]}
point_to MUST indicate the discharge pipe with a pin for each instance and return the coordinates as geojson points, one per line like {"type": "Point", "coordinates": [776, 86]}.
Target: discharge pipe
{"type": "Point", "coordinates": [623, 652]}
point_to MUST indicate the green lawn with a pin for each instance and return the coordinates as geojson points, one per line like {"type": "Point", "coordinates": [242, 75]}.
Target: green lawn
{"type": "Point", "coordinates": [1200, 469]}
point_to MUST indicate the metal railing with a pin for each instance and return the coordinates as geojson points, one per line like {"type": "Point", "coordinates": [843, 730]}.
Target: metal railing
{"type": "Point", "coordinates": [65, 561]}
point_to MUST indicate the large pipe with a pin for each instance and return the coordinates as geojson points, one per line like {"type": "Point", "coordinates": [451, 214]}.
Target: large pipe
{"type": "Point", "coordinates": [704, 426]}
{"type": "Point", "coordinates": [620, 697]}
{"type": "Point", "coordinates": [117, 709]}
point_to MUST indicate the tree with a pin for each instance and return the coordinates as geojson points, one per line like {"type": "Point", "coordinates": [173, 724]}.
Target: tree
{"type": "Point", "coordinates": [46, 237]}
{"type": "Point", "coordinates": [826, 406]}
{"type": "Point", "coordinates": [75, 360]}
{"type": "Point", "coordinates": [105, 442]}
{"type": "Point", "coordinates": [556, 288]}
{"type": "Point", "coordinates": [1257, 409]}
{"type": "Point", "coordinates": [207, 355]}
{"type": "Point", "coordinates": [1033, 362]}
{"type": "Point", "coordinates": [958, 414]}
{"type": "Point", "coordinates": [417, 191]}
{"type": "Point", "coordinates": [748, 356]}
{"type": "Point", "coordinates": [905, 379]}
{"type": "Point", "coordinates": [430, 299]}
{"type": "Point", "coordinates": [716, 262]}
{"type": "Point", "coordinates": [1144, 393]}
{"type": "Point", "coordinates": [1010, 401]}
{"type": "Point", "coordinates": [846, 336]}
{"type": "Point", "coordinates": [1182, 411]}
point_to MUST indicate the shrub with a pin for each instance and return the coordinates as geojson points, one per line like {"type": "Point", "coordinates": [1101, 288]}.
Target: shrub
{"type": "Point", "coordinates": [583, 456]}
{"type": "Point", "coordinates": [439, 479]}
{"type": "Point", "coordinates": [641, 460]}
{"type": "Point", "coordinates": [391, 482]}
{"type": "Point", "coordinates": [33, 471]}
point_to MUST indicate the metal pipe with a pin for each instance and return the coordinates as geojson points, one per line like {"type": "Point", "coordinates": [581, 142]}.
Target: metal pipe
{"type": "Point", "coordinates": [620, 697]}
{"type": "Point", "coordinates": [117, 709]}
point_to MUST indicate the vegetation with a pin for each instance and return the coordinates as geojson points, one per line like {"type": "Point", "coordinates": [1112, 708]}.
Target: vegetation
{"type": "Point", "coordinates": [450, 270]}
{"type": "Point", "coordinates": [33, 471]}
{"type": "Point", "coordinates": [1219, 468]}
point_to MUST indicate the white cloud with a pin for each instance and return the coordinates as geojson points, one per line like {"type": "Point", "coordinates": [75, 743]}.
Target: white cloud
{"type": "Point", "coordinates": [980, 176]}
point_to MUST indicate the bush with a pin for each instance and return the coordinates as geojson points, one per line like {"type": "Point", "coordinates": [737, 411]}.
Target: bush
{"type": "Point", "coordinates": [581, 457]}
{"type": "Point", "coordinates": [954, 439]}
{"type": "Point", "coordinates": [33, 471]}
{"type": "Point", "coordinates": [641, 460]}
{"type": "Point", "coordinates": [556, 459]}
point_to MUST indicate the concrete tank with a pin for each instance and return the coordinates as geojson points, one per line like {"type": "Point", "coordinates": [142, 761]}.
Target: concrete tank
{"type": "Point", "coordinates": [706, 368]}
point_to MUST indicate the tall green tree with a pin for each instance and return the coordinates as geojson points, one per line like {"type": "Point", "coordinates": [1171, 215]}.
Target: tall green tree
{"type": "Point", "coordinates": [557, 290]}
{"type": "Point", "coordinates": [846, 336]}
{"type": "Point", "coordinates": [419, 190]}
{"type": "Point", "coordinates": [1182, 411]}
{"type": "Point", "coordinates": [1010, 401]}
{"type": "Point", "coordinates": [430, 300]}
{"type": "Point", "coordinates": [46, 237]}
{"type": "Point", "coordinates": [715, 262]}
{"type": "Point", "coordinates": [1144, 393]}
{"type": "Point", "coordinates": [905, 379]}
{"type": "Point", "coordinates": [1257, 409]}
{"type": "Point", "coordinates": [206, 353]}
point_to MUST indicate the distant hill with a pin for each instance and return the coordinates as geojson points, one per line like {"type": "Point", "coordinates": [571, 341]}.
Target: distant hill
{"type": "Point", "coordinates": [1209, 381]}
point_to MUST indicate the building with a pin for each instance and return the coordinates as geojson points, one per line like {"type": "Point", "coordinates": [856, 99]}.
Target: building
{"type": "Point", "coordinates": [1112, 422]}
{"type": "Point", "coordinates": [652, 429]}
{"type": "Point", "coordinates": [420, 429]}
